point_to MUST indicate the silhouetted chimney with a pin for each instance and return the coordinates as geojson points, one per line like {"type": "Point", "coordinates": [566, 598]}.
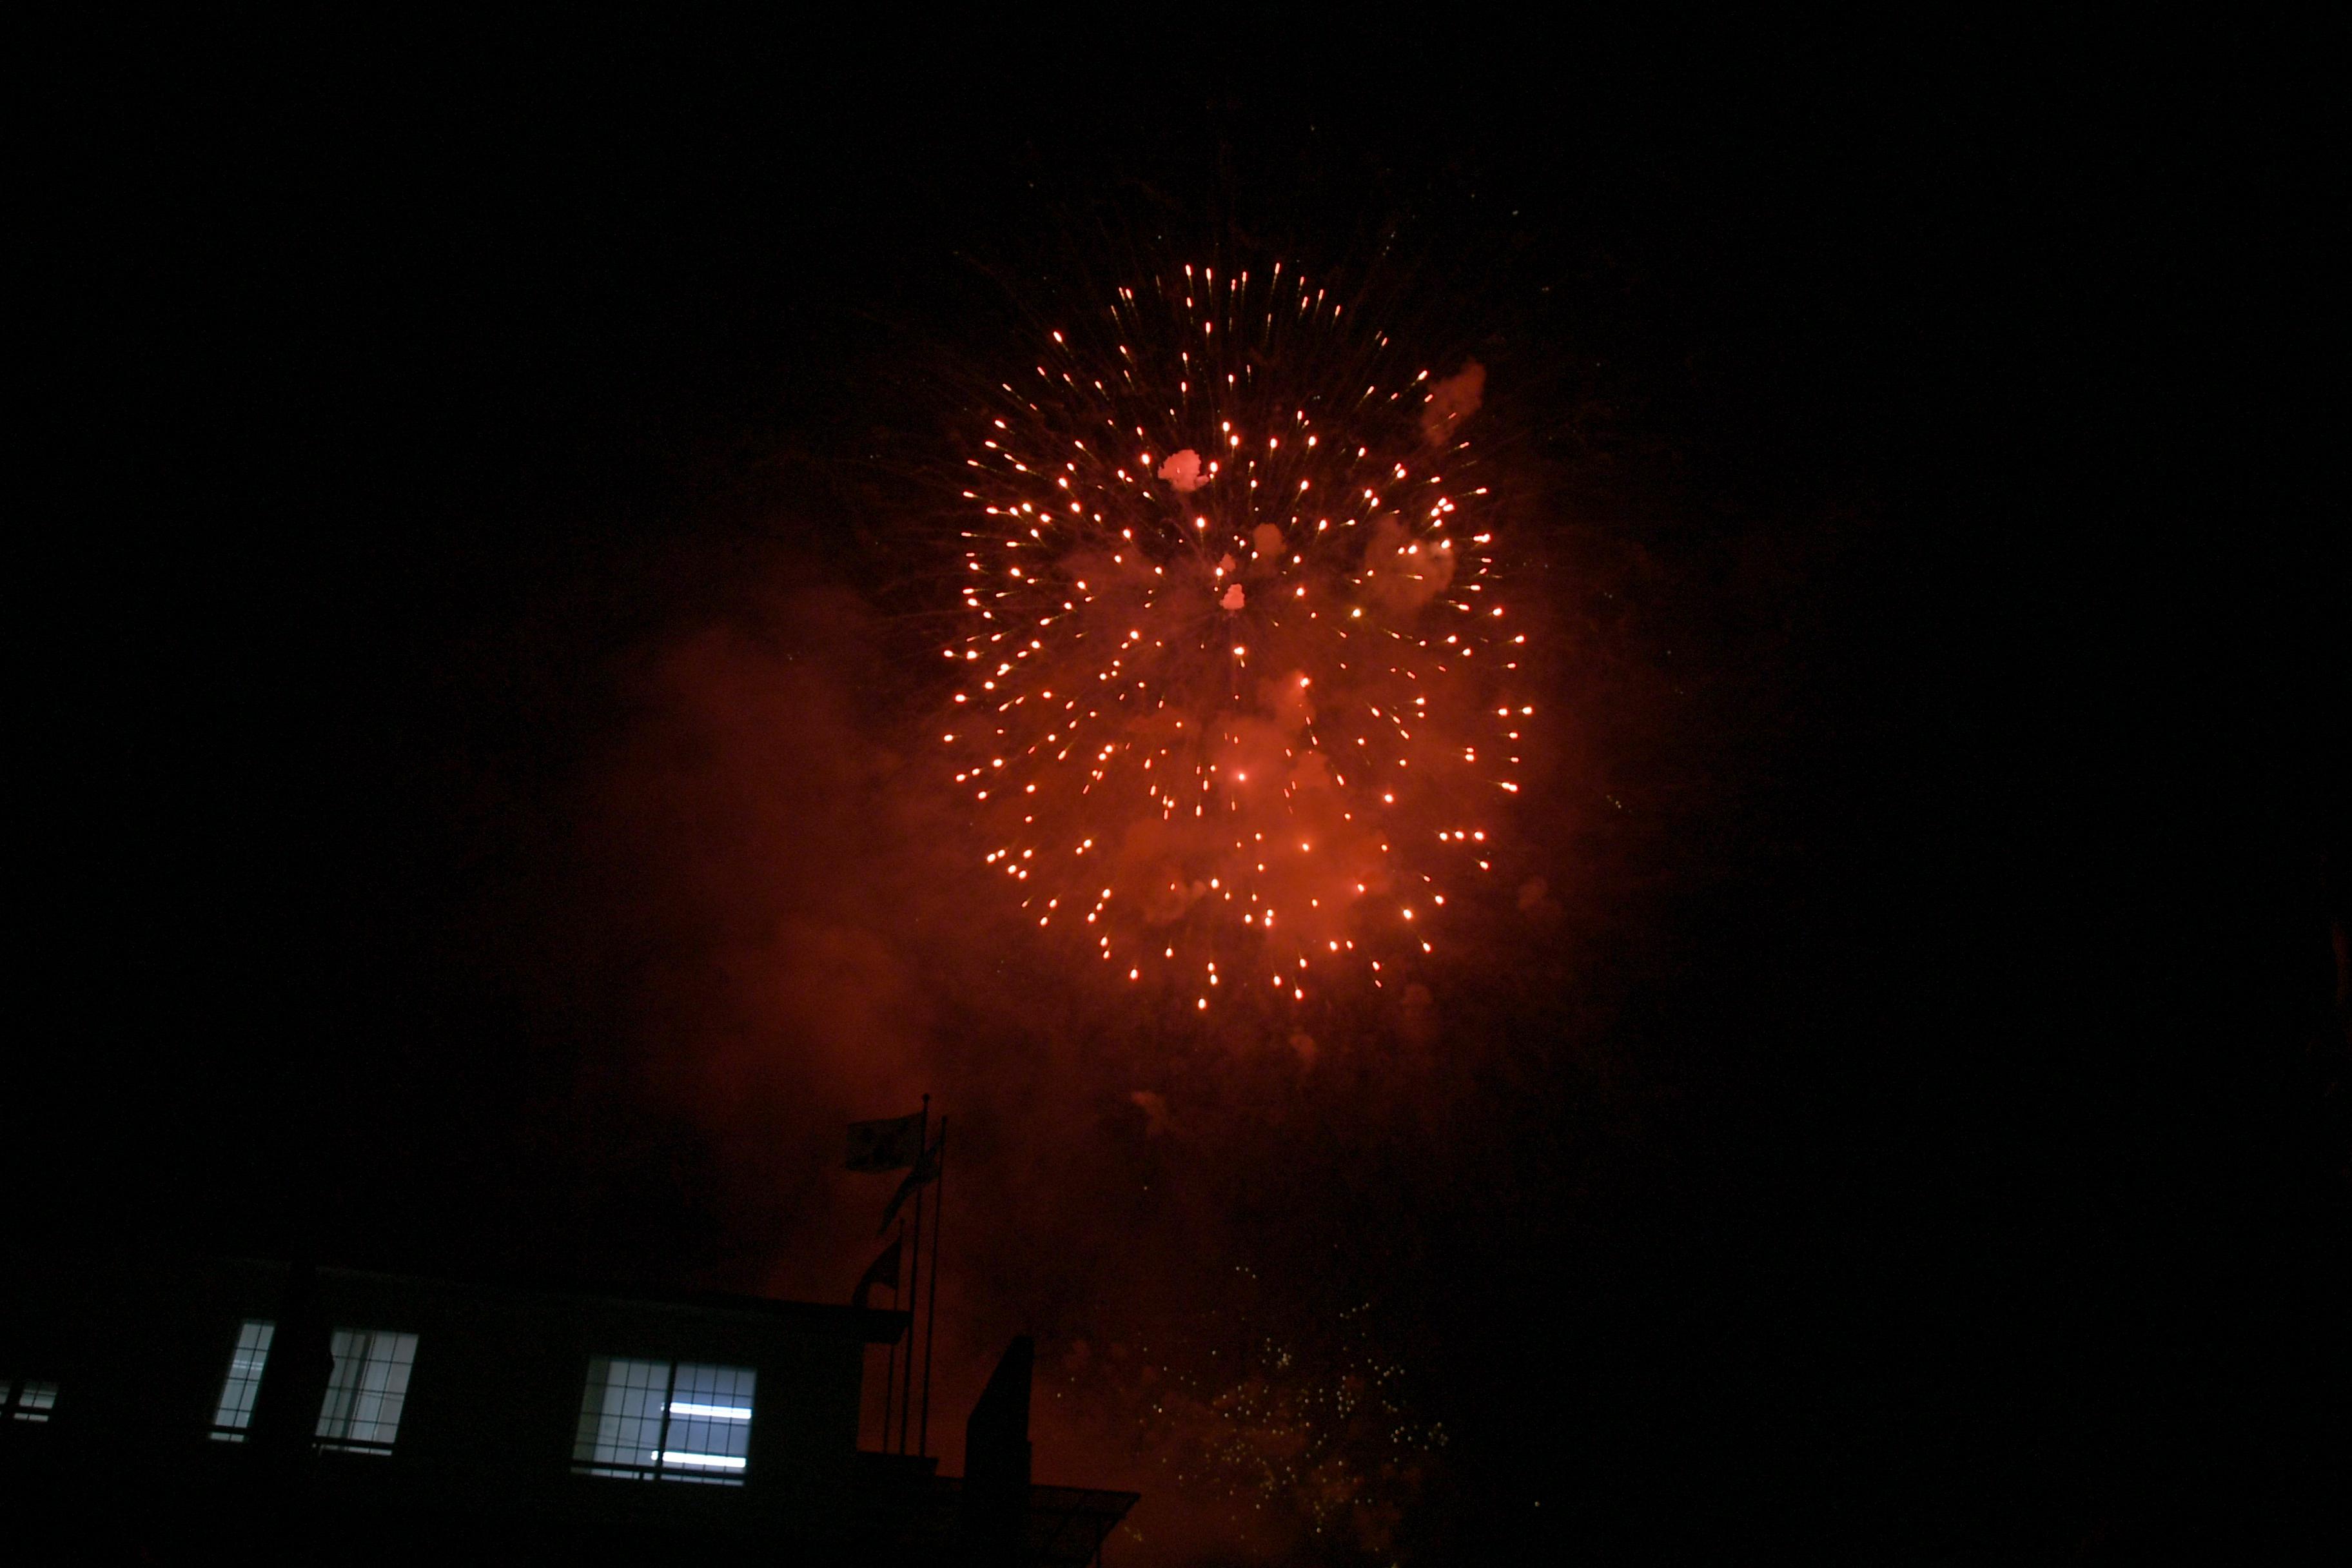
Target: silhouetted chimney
{"type": "Point", "coordinates": [294, 1380]}
{"type": "Point", "coordinates": [997, 1462]}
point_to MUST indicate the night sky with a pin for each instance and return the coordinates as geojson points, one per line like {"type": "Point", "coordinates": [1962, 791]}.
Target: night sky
{"type": "Point", "coordinates": [484, 532]}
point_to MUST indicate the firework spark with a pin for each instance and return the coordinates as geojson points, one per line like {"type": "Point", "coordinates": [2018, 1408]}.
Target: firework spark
{"type": "Point", "coordinates": [1316, 1435]}
{"type": "Point", "coordinates": [1237, 702]}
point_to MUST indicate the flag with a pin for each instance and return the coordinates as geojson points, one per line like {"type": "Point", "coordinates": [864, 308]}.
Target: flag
{"type": "Point", "coordinates": [926, 1171]}
{"type": "Point", "coordinates": [891, 1144]}
{"type": "Point", "coordinates": [884, 1270]}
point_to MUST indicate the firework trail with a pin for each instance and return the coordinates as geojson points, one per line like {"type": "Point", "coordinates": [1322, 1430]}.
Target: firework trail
{"type": "Point", "coordinates": [1237, 702]}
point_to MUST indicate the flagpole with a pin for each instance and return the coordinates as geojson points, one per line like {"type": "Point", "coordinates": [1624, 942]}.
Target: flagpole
{"type": "Point", "coordinates": [931, 1317]}
{"type": "Point", "coordinates": [890, 1376]}
{"type": "Point", "coordinates": [914, 1280]}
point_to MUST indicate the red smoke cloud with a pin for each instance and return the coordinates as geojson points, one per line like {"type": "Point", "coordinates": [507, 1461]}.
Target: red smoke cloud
{"type": "Point", "coordinates": [802, 933]}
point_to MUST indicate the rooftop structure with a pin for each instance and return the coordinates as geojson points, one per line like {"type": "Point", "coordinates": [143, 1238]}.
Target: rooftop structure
{"type": "Point", "coordinates": [280, 1411]}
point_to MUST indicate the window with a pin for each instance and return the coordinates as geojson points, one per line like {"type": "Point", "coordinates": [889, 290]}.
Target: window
{"type": "Point", "coordinates": [364, 1397]}
{"type": "Point", "coordinates": [235, 1412]}
{"type": "Point", "coordinates": [646, 1419]}
{"type": "Point", "coordinates": [31, 1400]}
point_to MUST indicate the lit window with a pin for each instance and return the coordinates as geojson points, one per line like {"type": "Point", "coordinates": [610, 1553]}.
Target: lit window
{"type": "Point", "coordinates": [235, 1412]}
{"type": "Point", "coordinates": [361, 1412]}
{"type": "Point", "coordinates": [31, 1400]}
{"type": "Point", "coordinates": [644, 1419]}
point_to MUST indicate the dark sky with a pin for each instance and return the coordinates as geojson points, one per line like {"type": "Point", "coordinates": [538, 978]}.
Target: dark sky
{"type": "Point", "coordinates": [478, 495]}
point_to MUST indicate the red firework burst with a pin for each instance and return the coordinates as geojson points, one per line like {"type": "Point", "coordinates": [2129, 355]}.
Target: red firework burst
{"type": "Point", "coordinates": [1239, 702]}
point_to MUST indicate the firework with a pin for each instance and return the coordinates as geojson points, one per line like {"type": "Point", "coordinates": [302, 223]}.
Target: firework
{"type": "Point", "coordinates": [1236, 679]}
{"type": "Point", "coordinates": [1321, 1435]}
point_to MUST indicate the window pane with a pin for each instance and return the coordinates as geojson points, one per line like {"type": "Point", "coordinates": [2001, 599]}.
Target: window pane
{"type": "Point", "coordinates": [235, 1412]}
{"type": "Point", "coordinates": [34, 1400]}
{"type": "Point", "coordinates": [643, 1419]}
{"type": "Point", "coordinates": [370, 1386]}
{"type": "Point", "coordinates": [709, 1436]}
{"type": "Point", "coordinates": [620, 1417]}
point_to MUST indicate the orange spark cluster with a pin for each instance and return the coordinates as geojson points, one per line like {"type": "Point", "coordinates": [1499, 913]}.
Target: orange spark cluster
{"type": "Point", "coordinates": [1238, 697]}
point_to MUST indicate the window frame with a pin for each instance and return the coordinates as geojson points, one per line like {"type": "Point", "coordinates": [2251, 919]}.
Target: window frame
{"type": "Point", "coordinates": [604, 1433]}
{"type": "Point", "coordinates": [332, 1432]}
{"type": "Point", "coordinates": [18, 1396]}
{"type": "Point", "coordinates": [248, 1362]}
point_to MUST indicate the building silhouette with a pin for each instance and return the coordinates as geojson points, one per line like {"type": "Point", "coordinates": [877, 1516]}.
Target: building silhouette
{"type": "Point", "coordinates": [266, 1412]}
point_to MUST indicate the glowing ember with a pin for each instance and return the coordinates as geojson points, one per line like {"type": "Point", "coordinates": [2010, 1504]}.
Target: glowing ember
{"type": "Point", "coordinates": [1234, 654]}
{"type": "Point", "coordinates": [1318, 1434]}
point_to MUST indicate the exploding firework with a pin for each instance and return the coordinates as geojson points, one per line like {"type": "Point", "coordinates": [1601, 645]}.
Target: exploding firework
{"type": "Point", "coordinates": [1237, 695]}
